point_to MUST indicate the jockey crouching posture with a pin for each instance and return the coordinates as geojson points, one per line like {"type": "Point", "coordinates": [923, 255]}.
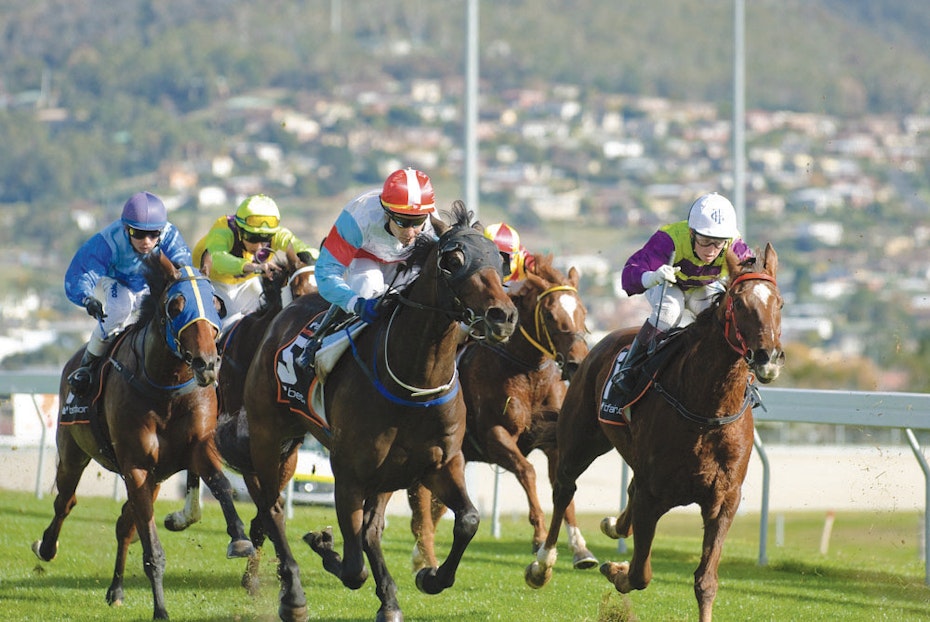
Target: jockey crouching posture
{"type": "Point", "coordinates": [239, 248]}
{"type": "Point", "coordinates": [363, 252]}
{"type": "Point", "coordinates": [686, 282]}
{"type": "Point", "coordinates": [106, 275]}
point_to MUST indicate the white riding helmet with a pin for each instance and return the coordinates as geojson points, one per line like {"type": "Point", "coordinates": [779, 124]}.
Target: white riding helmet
{"type": "Point", "coordinates": [713, 215]}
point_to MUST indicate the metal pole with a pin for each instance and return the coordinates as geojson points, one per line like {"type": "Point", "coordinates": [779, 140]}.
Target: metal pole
{"type": "Point", "coordinates": [496, 507]}
{"type": "Point", "coordinates": [471, 108]}
{"type": "Point", "coordinates": [42, 441]}
{"type": "Point", "coordinates": [915, 447]}
{"type": "Point", "coordinates": [764, 513]}
{"type": "Point", "coordinates": [739, 113]}
{"type": "Point", "coordinates": [624, 478]}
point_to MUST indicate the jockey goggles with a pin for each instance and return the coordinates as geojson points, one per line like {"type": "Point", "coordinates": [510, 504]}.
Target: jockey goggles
{"type": "Point", "coordinates": [140, 234]}
{"type": "Point", "coordinates": [405, 222]}
{"type": "Point", "coordinates": [261, 221]}
{"type": "Point", "coordinates": [256, 238]}
{"type": "Point", "coordinates": [706, 242]}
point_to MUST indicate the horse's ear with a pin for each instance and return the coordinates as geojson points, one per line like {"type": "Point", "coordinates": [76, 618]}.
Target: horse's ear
{"type": "Point", "coordinates": [733, 264]}
{"type": "Point", "coordinates": [439, 225]}
{"type": "Point", "coordinates": [770, 260]}
{"type": "Point", "coordinates": [573, 276]}
{"type": "Point", "coordinates": [168, 268]}
{"type": "Point", "coordinates": [206, 264]}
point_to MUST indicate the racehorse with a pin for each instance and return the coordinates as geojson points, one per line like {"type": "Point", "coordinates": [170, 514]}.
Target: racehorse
{"type": "Point", "coordinates": [291, 278]}
{"type": "Point", "coordinates": [394, 414]}
{"type": "Point", "coordinates": [155, 416]}
{"type": "Point", "coordinates": [513, 394]}
{"type": "Point", "coordinates": [688, 438]}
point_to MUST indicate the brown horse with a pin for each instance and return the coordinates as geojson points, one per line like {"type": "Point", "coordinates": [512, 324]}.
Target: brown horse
{"type": "Point", "coordinates": [156, 412]}
{"type": "Point", "coordinates": [688, 438]}
{"type": "Point", "coordinates": [394, 412]}
{"type": "Point", "coordinates": [291, 278]}
{"type": "Point", "coordinates": [513, 394]}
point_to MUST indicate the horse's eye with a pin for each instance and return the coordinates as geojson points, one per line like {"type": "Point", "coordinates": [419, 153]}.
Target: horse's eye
{"type": "Point", "coordinates": [175, 305]}
{"type": "Point", "coordinates": [452, 261]}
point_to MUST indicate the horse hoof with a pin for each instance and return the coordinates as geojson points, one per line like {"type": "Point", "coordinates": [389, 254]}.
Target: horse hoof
{"type": "Point", "coordinates": [426, 581]}
{"type": "Point", "coordinates": [319, 541]}
{"type": "Point", "coordinates": [37, 549]}
{"type": "Point", "coordinates": [618, 574]}
{"type": "Point", "coordinates": [391, 615]}
{"type": "Point", "coordinates": [251, 583]}
{"type": "Point", "coordinates": [293, 614]}
{"type": "Point", "coordinates": [176, 521]}
{"type": "Point", "coordinates": [609, 527]}
{"type": "Point", "coordinates": [584, 560]}
{"type": "Point", "coordinates": [240, 548]}
{"type": "Point", "coordinates": [534, 577]}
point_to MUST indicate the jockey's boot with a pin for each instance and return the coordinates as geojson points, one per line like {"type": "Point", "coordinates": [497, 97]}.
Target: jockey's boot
{"type": "Point", "coordinates": [307, 358]}
{"type": "Point", "coordinates": [624, 381]}
{"type": "Point", "coordinates": [81, 378]}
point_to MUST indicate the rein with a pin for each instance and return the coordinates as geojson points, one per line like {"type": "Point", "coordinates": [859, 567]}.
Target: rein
{"type": "Point", "coordinates": [751, 399]}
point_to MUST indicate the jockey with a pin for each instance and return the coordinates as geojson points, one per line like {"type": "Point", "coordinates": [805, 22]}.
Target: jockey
{"type": "Point", "coordinates": [515, 254]}
{"type": "Point", "coordinates": [362, 255]}
{"type": "Point", "coordinates": [107, 278]}
{"type": "Point", "coordinates": [688, 260]}
{"type": "Point", "coordinates": [239, 247]}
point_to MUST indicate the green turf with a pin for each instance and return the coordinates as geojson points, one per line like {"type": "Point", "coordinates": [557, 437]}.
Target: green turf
{"type": "Point", "coordinates": [872, 571]}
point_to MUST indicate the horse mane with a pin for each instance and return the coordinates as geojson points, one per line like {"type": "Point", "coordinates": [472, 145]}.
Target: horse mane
{"type": "Point", "coordinates": [158, 281]}
{"type": "Point", "coordinates": [459, 216]}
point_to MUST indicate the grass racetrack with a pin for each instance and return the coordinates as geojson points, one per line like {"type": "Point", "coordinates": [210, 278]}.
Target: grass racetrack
{"type": "Point", "coordinates": [872, 571]}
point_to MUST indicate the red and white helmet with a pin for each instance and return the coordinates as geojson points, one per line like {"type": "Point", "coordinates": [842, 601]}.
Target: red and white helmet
{"type": "Point", "coordinates": [409, 192]}
{"type": "Point", "coordinates": [505, 236]}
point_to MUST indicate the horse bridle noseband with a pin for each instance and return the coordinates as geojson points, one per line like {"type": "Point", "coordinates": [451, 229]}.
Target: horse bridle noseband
{"type": "Point", "coordinates": [736, 341]}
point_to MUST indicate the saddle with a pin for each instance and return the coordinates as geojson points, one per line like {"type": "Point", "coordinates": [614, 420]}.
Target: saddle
{"type": "Point", "coordinates": [85, 410]}
{"type": "Point", "coordinates": [614, 404]}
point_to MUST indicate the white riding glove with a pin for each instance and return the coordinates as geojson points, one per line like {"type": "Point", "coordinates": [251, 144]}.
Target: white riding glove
{"type": "Point", "coordinates": [665, 273]}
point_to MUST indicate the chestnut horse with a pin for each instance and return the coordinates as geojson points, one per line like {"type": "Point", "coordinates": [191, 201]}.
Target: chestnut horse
{"type": "Point", "coordinates": [291, 278]}
{"type": "Point", "coordinates": [156, 413]}
{"type": "Point", "coordinates": [513, 394]}
{"type": "Point", "coordinates": [688, 438]}
{"type": "Point", "coordinates": [394, 414]}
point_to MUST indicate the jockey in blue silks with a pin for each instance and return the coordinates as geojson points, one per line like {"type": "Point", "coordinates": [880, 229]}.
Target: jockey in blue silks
{"type": "Point", "coordinates": [107, 278]}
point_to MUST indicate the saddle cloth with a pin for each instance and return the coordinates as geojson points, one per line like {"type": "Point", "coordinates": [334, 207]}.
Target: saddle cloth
{"type": "Point", "coordinates": [302, 389]}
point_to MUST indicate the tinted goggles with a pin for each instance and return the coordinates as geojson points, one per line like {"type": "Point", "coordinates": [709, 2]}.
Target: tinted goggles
{"type": "Point", "coordinates": [405, 222]}
{"type": "Point", "coordinates": [256, 238]}
{"type": "Point", "coordinates": [140, 234]}
{"type": "Point", "coordinates": [706, 242]}
{"type": "Point", "coordinates": [261, 222]}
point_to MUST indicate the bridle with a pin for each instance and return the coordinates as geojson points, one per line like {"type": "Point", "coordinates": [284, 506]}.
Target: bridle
{"type": "Point", "coordinates": [542, 331]}
{"type": "Point", "coordinates": [731, 331]}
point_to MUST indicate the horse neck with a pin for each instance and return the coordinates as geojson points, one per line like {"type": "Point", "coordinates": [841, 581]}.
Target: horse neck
{"type": "Point", "coordinates": [159, 363]}
{"type": "Point", "coordinates": [420, 343]}
{"type": "Point", "coordinates": [708, 373]}
{"type": "Point", "coordinates": [520, 345]}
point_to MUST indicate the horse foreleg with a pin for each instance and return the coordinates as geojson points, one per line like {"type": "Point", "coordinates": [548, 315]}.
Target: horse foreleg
{"type": "Point", "coordinates": [192, 512]}
{"type": "Point", "coordinates": [716, 527]}
{"type": "Point", "coordinates": [385, 587]}
{"type": "Point", "coordinates": [582, 558]}
{"type": "Point", "coordinates": [425, 512]}
{"type": "Point", "coordinates": [141, 492]}
{"type": "Point", "coordinates": [502, 450]}
{"type": "Point", "coordinates": [240, 545]}
{"type": "Point", "coordinates": [125, 530]}
{"type": "Point", "coordinates": [637, 574]}
{"type": "Point", "coordinates": [448, 484]}
{"type": "Point", "coordinates": [250, 579]}
{"type": "Point", "coordinates": [350, 568]}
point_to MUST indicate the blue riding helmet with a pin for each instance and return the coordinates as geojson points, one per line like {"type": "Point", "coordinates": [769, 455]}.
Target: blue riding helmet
{"type": "Point", "coordinates": [146, 212]}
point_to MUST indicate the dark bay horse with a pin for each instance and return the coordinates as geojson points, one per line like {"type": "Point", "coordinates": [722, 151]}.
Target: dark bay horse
{"type": "Point", "coordinates": [394, 413]}
{"type": "Point", "coordinates": [688, 438]}
{"type": "Point", "coordinates": [291, 278]}
{"type": "Point", "coordinates": [156, 412]}
{"type": "Point", "coordinates": [513, 394]}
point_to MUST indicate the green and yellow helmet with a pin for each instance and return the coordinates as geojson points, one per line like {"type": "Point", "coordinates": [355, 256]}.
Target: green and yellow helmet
{"type": "Point", "coordinates": [259, 214]}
